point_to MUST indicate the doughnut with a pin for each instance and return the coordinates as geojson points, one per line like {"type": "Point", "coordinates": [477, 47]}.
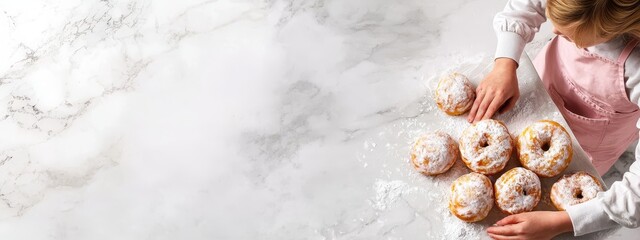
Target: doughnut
{"type": "Point", "coordinates": [434, 153]}
{"type": "Point", "coordinates": [454, 94]}
{"type": "Point", "coordinates": [517, 191]}
{"type": "Point", "coordinates": [486, 146]}
{"type": "Point", "coordinates": [544, 147]}
{"type": "Point", "coordinates": [574, 189]}
{"type": "Point", "coordinates": [471, 197]}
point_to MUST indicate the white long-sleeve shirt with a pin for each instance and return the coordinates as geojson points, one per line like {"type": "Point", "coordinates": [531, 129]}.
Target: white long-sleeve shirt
{"type": "Point", "coordinates": [515, 26]}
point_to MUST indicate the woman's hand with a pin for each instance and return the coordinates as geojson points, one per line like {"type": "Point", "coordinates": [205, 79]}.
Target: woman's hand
{"type": "Point", "coordinates": [531, 225]}
{"type": "Point", "coordinates": [497, 91]}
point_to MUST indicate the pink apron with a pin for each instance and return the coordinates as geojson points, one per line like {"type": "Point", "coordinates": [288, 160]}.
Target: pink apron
{"type": "Point", "coordinates": [589, 90]}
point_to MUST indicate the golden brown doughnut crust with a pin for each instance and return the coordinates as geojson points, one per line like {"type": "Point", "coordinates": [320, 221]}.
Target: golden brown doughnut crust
{"type": "Point", "coordinates": [471, 197]}
{"type": "Point", "coordinates": [574, 189]}
{"type": "Point", "coordinates": [486, 146]}
{"type": "Point", "coordinates": [545, 148]}
{"type": "Point", "coordinates": [434, 153]}
{"type": "Point", "coordinates": [517, 190]}
{"type": "Point", "coordinates": [454, 94]}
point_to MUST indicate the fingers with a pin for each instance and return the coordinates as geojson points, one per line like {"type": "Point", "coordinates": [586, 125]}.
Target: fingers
{"type": "Point", "coordinates": [494, 106]}
{"type": "Point", "coordinates": [497, 92]}
{"type": "Point", "coordinates": [500, 237]}
{"type": "Point", "coordinates": [508, 105]}
{"type": "Point", "coordinates": [476, 104]}
{"type": "Point", "coordinates": [511, 219]}
{"type": "Point", "coordinates": [506, 230]}
{"type": "Point", "coordinates": [486, 101]}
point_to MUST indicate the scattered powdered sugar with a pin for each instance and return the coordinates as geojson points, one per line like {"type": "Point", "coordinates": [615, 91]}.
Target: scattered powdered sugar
{"type": "Point", "coordinates": [573, 189]}
{"type": "Point", "coordinates": [486, 146]}
{"type": "Point", "coordinates": [552, 161]}
{"type": "Point", "coordinates": [456, 229]}
{"type": "Point", "coordinates": [454, 93]}
{"type": "Point", "coordinates": [518, 190]}
{"type": "Point", "coordinates": [387, 192]}
{"type": "Point", "coordinates": [427, 196]}
{"type": "Point", "coordinates": [434, 153]}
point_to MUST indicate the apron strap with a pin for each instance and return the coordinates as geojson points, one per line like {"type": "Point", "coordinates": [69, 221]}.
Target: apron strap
{"type": "Point", "coordinates": [627, 50]}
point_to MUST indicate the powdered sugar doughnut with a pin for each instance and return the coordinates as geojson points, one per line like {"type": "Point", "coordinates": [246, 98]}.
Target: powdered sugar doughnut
{"type": "Point", "coordinates": [454, 94]}
{"type": "Point", "coordinates": [545, 148]}
{"type": "Point", "coordinates": [573, 189]}
{"type": "Point", "coordinates": [471, 197]}
{"type": "Point", "coordinates": [486, 146]}
{"type": "Point", "coordinates": [434, 153]}
{"type": "Point", "coordinates": [517, 190]}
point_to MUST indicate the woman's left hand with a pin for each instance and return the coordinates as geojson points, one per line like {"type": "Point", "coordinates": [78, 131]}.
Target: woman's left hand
{"type": "Point", "coordinates": [531, 225]}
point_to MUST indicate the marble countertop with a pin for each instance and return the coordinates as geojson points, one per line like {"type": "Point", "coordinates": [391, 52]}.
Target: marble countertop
{"type": "Point", "coordinates": [237, 119]}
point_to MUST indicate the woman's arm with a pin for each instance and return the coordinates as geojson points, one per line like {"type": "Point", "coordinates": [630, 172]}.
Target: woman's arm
{"type": "Point", "coordinates": [515, 26]}
{"type": "Point", "coordinates": [618, 205]}
{"type": "Point", "coordinates": [621, 203]}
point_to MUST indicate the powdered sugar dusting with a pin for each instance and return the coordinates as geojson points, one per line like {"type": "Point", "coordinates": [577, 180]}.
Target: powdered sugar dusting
{"type": "Point", "coordinates": [486, 146]}
{"type": "Point", "coordinates": [548, 162]}
{"type": "Point", "coordinates": [517, 190]}
{"type": "Point", "coordinates": [387, 192]}
{"type": "Point", "coordinates": [434, 153]}
{"type": "Point", "coordinates": [404, 203]}
{"type": "Point", "coordinates": [471, 197]}
{"type": "Point", "coordinates": [573, 189]}
{"type": "Point", "coordinates": [454, 94]}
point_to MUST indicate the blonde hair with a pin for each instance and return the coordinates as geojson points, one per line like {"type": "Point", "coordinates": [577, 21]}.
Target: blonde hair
{"type": "Point", "coordinates": [593, 19]}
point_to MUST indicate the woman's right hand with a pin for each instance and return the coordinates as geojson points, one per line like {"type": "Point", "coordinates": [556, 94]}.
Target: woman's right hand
{"type": "Point", "coordinates": [498, 91]}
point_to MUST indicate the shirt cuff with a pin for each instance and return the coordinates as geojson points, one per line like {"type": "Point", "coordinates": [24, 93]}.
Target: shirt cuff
{"type": "Point", "coordinates": [510, 45]}
{"type": "Point", "coordinates": [589, 217]}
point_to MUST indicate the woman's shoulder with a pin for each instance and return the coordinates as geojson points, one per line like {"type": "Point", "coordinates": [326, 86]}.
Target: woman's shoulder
{"type": "Point", "coordinates": [613, 48]}
{"type": "Point", "coordinates": [632, 74]}
{"type": "Point", "coordinates": [632, 63]}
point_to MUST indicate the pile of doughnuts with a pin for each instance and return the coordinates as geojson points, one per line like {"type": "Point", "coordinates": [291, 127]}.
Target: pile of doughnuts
{"type": "Point", "coordinates": [544, 149]}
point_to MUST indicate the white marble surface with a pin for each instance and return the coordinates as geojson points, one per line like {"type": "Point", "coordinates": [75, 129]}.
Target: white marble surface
{"type": "Point", "coordinates": [231, 119]}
